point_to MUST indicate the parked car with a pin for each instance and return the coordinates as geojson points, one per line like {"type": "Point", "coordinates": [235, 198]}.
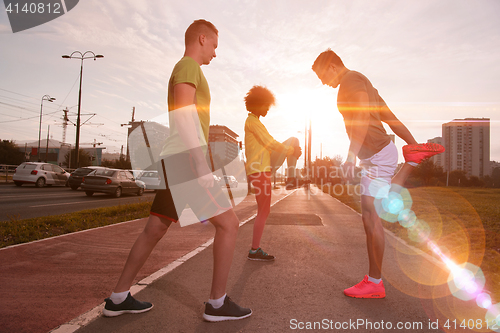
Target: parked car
{"type": "Point", "coordinates": [229, 180]}
{"type": "Point", "coordinates": [75, 179]}
{"type": "Point", "coordinates": [151, 178]}
{"type": "Point", "coordinates": [112, 181]}
{"type": "Point", "coordinates": [40, 174]}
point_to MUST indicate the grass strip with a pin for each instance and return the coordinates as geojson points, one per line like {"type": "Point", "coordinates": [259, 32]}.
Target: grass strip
{"type": "Point", "coordinates": [22, 231]}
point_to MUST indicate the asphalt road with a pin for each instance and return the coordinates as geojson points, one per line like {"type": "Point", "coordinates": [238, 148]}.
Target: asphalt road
{"type": "Point", "coordinates": [28, 201]}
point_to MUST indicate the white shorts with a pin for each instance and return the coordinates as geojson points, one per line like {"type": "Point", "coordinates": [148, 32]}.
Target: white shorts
{"type": "Point", "coordinates": [378, 171]}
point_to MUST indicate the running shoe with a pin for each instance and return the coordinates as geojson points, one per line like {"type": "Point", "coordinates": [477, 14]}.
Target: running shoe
{"type": "Point", "coordinates": [419, 152]}
{"type": "Point", "coordinates": [259, 255]}
{"type": "Point", "coordinates": [366, 289]}
{"type": "Point", "coordinates": [228, 311]}
{"type": "Point", "coordinates": [129, 305]}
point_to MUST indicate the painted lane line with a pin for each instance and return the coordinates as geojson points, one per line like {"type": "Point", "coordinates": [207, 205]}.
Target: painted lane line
{"type": "Point", "coordinates": [59, 204]}
{"type": "Point", "coordinates": [95, 313]}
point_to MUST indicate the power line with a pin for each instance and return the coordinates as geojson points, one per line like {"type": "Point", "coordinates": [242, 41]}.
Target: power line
{"type": "Point", "coordinates": [18, 107]}
{"type": "Point", "coordinates": [11, 121]}
{"type": "Point", "coordinates": [22, 119]}
{"type": "Point", "coordinates": [12, 92]}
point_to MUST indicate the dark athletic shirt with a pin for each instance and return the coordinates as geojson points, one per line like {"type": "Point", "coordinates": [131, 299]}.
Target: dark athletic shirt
{"type": "Point", "coordinates": [376, 136]}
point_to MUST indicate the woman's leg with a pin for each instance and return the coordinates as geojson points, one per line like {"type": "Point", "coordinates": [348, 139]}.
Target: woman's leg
{"type": "Point", "coordinates": [277, 158]}
{"type": "Point", "coordinates": [262, 184]}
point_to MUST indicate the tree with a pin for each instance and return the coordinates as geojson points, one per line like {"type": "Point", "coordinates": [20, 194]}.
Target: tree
{"type": "Point", "coordinates": [10, 153]}
{"type": "Point", "coordinates": [121, 163]}
{"type": "Point", "coordinates": [84, 160]}
{"type": "Point", "coordinates": [475, 181]}
{"type": "Point", "coordinates": [328, 170]}
{"type": "Point", "coordinates": [495, 177]}
{"type": "Point", "coordinates": [428, 174]}
{"type": "Point", "coordinates": [458, 178]}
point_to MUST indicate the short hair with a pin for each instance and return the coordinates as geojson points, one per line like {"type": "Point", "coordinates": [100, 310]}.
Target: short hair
{"type": "Point", "coordinates": [197, 28]}
{"type": "Point", "coordinates": [325, 58]}
{"type": "Point", "coordinates": [259, 97]}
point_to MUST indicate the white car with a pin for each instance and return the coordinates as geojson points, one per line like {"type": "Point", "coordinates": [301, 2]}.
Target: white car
{"type": "Point", "coordinates": [151, 179]}
{"type": "Point", "coordinates": [229, 180]}
{"type": "Point", "coordinates": [40, 174]}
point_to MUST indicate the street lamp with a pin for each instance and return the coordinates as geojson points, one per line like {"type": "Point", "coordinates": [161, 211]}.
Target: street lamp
{"type": "Point", "coordinates": [81, 57]}
{"type": "Point", "coordinates": [44, 98]}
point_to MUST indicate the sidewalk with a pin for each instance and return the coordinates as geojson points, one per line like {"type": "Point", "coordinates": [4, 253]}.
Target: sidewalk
{"type": "Point", "coordinates": [320, 248]}
{"type": "Point", "coordinates": [47, 283]}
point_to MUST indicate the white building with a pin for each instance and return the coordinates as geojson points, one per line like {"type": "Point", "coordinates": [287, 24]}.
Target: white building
{"type": "Point", "coordinates": [438, 159]}
{"type": "Point", "coordinates": [467, 144]}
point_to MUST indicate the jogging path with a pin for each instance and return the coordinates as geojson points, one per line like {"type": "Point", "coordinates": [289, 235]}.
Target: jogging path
{"type": "Point", "coordinates": [320, 248]}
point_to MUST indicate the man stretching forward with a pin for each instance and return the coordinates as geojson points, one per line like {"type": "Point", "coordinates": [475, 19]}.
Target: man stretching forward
{"type": "Point", "coordinates": [184, 162]}
{"type": "Point", "coordinates": [364, 111]}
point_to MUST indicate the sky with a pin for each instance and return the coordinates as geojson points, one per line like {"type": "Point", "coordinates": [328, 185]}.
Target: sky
{"type": "Point", "coordinates": [431, 61]}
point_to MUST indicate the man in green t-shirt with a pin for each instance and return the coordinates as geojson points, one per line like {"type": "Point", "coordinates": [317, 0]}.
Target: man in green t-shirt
{"type": "Point", "coordinates": [184, 164]}
{"type": "Point", "coordinates": [364, 111]}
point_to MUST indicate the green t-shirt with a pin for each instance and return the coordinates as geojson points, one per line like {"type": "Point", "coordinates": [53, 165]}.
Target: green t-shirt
{"type": "Point", "coordinates": [187, 70]}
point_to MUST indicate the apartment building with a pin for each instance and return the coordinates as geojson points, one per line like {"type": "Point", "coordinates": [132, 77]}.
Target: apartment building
{"type": "Point", "coordinates": [439, 158]}
{"type": "Point", "coordinates": [223, 143]}
{"type": "Point", "coordinates": [467, 144]}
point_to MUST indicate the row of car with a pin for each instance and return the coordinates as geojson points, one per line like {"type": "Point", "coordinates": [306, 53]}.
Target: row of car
{"type": "Point", "coordinates": [94, 179]}
{"type": "Point", "coordinates": [91, 179]}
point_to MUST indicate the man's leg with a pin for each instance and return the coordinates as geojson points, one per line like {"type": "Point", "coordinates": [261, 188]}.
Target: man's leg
{"type": "Point", "coordinates": [375, 237]}
{"type": "Point", "coordinates": [154, 230]}
{"type": "Point", "coordinates": [398, 181]}
{"type": "Point", "coordinates": [121, 301]}
{"type": "Point", "coordinates": [226, 230]}
{"type": "Point", "coordinates": [413, 154]}
{"type": "Point", "coordinates": [372, 285]}
{"type": "Point", "coordinates": [220, 307]}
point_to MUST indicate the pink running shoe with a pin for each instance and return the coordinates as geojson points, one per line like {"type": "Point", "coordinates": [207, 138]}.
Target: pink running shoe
{"type": "Point", "coordinates": [419, 152]}
{"type": "Point", "coordinates": [366, 289]}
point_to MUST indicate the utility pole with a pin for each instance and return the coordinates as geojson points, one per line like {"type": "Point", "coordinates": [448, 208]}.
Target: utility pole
{"type": "Point", "coordinates": [95, 151]}
{"type": "Point", "coordinates": [305, 147]}
{"type": "Point", "coordinates": [309, 146]}
{"type": "Point", "coordinates": [133, 125]}
{"type": "Point", "coordinates": [81, 57]}
{"type": "Point", "coordinates": [65, 124]}
{"type": "Point", "coordinates": [47, 147]}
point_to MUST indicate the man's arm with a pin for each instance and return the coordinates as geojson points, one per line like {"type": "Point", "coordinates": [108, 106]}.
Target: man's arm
{"type": "Point", "coordinates": [396, 125]}
{"type": "Point", "coordinates": [184, 95]}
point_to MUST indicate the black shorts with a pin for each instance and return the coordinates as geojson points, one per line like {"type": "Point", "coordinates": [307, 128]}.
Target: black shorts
{"type": "Point", "coordinates": [182, 188]}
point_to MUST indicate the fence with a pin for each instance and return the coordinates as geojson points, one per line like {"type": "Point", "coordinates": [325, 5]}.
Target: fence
{"type": "Point", "coordinates": [6, 172]}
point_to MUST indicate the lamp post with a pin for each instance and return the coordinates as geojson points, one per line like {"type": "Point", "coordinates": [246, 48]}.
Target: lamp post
{"type": "Point", "coordinates": [82, 57]}
{"type": "Point", "coordinates": [44, 98]}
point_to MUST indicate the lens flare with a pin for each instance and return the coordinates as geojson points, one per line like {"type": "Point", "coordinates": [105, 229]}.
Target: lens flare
{"type": "Point", "coordinates": [457, 241]}
{"type": "Point", "coordinates": [379, 188]}
{"type": "Point", "coordinates": [420, 231]}
{"type": "Point", "coordinates": [390, 204]}
{"type": "Point", "coordinates": [393, 203]}
{"type": "Point", "coordinates": [407, 218]}
{"type": "Point", "coordinates": [465, 281]}
{"type": "Point", "coordinates": [493, 317]}
{"type": "Point", "coordinates": [483, 300]}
